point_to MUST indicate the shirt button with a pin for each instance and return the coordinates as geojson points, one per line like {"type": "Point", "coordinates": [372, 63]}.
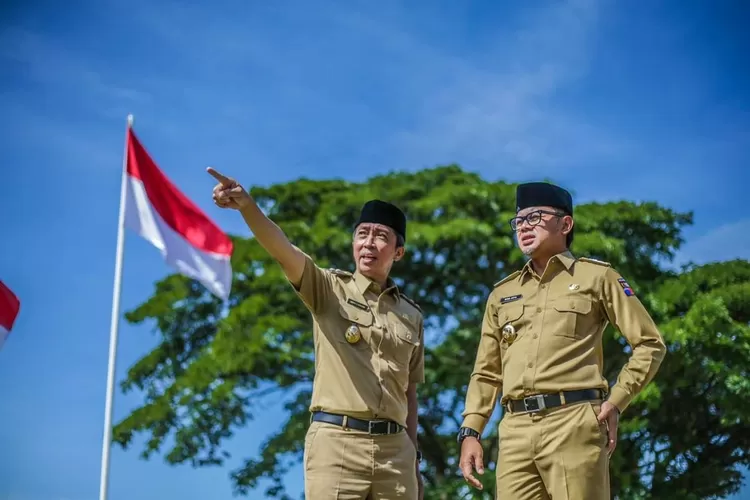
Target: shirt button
{"type": "Point", "coordinates": [530, 364]}
{"type": "Point", "coordinates": [538, 309]}
{"type": "Point", "coordinates": [535, 335]}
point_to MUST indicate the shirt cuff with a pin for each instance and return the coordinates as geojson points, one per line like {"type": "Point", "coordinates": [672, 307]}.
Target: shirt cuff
{"type": "Point", "coordinates": [620, 398]}
{"type": "Point", "coordinates": [475, 422]}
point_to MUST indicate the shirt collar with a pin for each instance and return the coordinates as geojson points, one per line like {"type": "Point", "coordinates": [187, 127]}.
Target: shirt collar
{"type": "Point", "coordinates": [566, 258]}
{"type": "Point", "coordinates": [364, 283]}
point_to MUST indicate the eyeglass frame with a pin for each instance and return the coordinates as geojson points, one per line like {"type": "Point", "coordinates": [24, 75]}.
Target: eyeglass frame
{"type": "Point", "coordinates": [533, 212]}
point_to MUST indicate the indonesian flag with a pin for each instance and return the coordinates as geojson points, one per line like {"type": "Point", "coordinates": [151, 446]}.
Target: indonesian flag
{"type": "Point", "coordinates": [9, 307]}
{"type": "Point", "coordinates": [161, 214]}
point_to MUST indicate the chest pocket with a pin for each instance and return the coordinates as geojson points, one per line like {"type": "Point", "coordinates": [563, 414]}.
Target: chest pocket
{"type": "Point", "coordinates": [510, 324]}
{"type": "Point", "coordinates": [354, 327]}
{"type": "Point", "coordinates": [571, 317]}
{"type": "Point", "coordinates": [403, 338]}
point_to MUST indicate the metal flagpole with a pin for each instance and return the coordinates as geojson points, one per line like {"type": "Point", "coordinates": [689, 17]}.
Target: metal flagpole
{"type": "Point", "coordinates": [106, 443]}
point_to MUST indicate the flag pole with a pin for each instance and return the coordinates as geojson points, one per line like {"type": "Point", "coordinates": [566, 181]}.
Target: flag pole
{"type": "Point", "coordinates": [106, 442]}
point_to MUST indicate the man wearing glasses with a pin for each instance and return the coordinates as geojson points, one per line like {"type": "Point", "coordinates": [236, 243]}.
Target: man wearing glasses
{"type": "Point", "coordinates": [541, 352]}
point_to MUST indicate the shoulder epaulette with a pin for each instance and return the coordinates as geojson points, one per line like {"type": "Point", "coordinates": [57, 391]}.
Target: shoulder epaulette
{"type": "Point", "coordinates": [410, 301]}
{"type": "Point", "coordinates": [509, 277]}
{"type": "Point", "coordinates": [595, 261]}
{"type": "Point", "coordinates": [340, 272]}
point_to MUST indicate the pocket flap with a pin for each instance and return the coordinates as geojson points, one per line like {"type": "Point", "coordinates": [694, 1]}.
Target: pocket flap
{"type": "Point", "coordinates": [356, 315]}
{"type": "Point", "coordinates": [509, 313]}
{"type": "Point", "coordinates": [578, 305]}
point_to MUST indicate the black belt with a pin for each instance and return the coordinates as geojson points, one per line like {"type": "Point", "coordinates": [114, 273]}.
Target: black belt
{"type": "Point", "coordinates": [539, 402]}
{"type": "Point", "coordinates": [369, 426]}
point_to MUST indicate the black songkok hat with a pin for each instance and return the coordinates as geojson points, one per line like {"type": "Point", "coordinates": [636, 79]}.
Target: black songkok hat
{"type": "Point", "coordinates": [534, 194]}
{"type": "Point", "coordinates": [381, 212]}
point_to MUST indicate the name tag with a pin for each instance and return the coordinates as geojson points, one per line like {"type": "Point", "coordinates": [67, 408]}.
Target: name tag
{"type": "Point", "coordinates": [512, 298]}
{"type": "Point", "coordinates": [358, 305]}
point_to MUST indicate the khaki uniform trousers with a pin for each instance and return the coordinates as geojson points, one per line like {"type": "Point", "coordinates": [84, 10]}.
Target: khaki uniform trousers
{"type": "Point", "coordinates": [558, 454]}
{"type": "Point", "coordinates": [347, 464]}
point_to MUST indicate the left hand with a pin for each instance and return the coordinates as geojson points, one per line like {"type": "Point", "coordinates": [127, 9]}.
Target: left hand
{"type": "Point", "coordinates": [611, 415]}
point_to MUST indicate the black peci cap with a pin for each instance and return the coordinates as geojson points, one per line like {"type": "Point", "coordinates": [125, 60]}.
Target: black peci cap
{"type": "Point", "coordinates": [534, 194]}
{"type": "Point", "coordinates": [381, 212]}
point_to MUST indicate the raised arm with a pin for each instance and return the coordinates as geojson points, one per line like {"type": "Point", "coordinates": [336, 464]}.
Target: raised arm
{"type": "Point", "coordinates": [228, 193]}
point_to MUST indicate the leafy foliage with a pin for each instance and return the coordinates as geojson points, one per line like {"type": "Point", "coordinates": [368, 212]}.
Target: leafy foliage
{"type": "Point", "coordinates": [684, 437]}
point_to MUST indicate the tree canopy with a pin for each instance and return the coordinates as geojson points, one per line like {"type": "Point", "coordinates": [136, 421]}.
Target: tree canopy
{"type": "Point", "coordinates": [685, 437]}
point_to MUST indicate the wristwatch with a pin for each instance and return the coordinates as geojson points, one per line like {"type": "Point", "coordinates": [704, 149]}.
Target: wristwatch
{"type": "Point", "coordinates": [465, 432]}
{"type": "Point", "coordinates": [419, 456]}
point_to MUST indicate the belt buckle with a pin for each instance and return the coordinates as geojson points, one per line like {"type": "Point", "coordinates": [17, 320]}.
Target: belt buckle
{"type": "Point", "coordinates": [388, 424]}
{"type": "Point", "coordinates": [540, 404]}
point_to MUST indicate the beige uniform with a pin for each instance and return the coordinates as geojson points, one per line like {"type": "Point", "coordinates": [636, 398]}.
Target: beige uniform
{"type": "Point", "coordinates": [368, 348]}
{"type": "Point", "coordinates": [543, 335]}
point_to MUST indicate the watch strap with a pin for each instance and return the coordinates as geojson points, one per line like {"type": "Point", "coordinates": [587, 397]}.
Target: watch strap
{"type": "Point", "coordinates": [465, 432]}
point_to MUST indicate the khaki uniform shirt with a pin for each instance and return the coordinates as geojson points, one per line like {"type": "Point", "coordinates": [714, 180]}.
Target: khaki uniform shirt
{"type": "Point", "coordinates": [369, 344]}
{"type": "Point", "coordinates": [558, 319]}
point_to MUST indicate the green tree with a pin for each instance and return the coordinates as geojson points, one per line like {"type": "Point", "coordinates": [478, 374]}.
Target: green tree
{"type": "Point", "coordinates": [685, 437]}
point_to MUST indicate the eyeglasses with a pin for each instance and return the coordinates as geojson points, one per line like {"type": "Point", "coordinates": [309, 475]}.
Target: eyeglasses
{"type": "Point", "coordinates": [532, 218]}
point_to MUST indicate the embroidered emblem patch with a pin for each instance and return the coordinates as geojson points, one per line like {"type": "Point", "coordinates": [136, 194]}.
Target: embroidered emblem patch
{"type": "Point", "coordinates": [512, 298]}
{"type": "Point", "coordinates": [356, 304]}
{"type": "Point", "coordinates": [626, 287]}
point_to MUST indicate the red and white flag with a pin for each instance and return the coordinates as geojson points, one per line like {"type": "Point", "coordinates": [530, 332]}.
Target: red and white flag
{"type": "Point", "coordinates": [189, 241]}
{"type": "Point", "coordinates": [9, 307]}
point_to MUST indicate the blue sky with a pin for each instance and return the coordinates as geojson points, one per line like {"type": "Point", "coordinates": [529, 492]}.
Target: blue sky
{"type": "Point", "coordinates": [644, 101]}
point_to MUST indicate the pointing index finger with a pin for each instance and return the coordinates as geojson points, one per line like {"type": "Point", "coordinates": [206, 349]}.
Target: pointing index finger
{"type": "Point", "coordinates": [225, 181]}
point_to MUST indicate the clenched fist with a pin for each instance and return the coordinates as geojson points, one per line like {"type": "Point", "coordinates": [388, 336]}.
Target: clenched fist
{"type": "Point", "coordinates": [228, 193]}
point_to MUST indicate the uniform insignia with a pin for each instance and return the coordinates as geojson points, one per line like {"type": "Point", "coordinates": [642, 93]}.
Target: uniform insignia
{"type": "Point", "coordinates": [507, 278]}
{"type": "Point", "coordinates": [340, 272]}
{"type": "Point", "coordinates": [512, 298]}
{"type": "Point", "coordinates": [509, 334]}
{"type": "Point", "coordinates": [626, 288]}
{"type": "Point", "coordinates": [358, 305]}
{"type": "Point", "coordinates": [594, 261]}
{"type": "Point", "coordinates": [416, 306]}
{"type": "Point", "coordinates": [574, 286]}
{"type": "Point", "coordinates": [352, 334]}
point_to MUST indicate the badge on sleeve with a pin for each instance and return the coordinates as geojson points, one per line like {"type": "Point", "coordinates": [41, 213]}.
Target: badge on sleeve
{"type": "Point", "coordinates": [626, 288]}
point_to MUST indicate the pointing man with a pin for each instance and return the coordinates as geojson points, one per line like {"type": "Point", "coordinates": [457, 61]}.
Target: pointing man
{"type": "Point", "coordinates": [369, 355]}
{"type": "Point", "coordinates": [541, 351]}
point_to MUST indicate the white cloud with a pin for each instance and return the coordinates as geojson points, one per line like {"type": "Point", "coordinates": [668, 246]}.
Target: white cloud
{"type": "Point", "coordinates": [725, 242]}
{"type": "Point", "coordinates": [401, 96]}
{"type": "Point", "coordinates": [500, 111]}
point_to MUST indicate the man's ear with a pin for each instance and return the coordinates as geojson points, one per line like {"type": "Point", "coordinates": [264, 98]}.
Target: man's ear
{"type": "Point", "coordinates": [568, 223]}
{"type": "Point", "coordinates": [400, 251]}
